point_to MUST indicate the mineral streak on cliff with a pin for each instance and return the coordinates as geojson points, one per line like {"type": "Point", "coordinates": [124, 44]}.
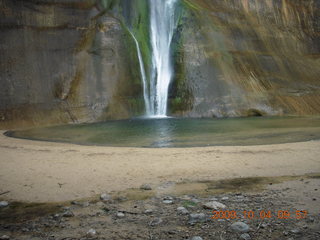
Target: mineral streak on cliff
{"type": "Point", "coordinates": [74, 61]}
{"type": "Point", "coordinates": [244, 57]}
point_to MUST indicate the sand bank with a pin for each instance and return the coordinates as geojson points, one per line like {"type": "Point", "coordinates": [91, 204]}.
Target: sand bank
{"type": "Point", "coordinates": [45, 171]}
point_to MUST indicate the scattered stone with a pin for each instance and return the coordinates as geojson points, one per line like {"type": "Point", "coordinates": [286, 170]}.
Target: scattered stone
{"type": "Point", "coordinates": [168, 201]}
{"type": "Point", "coordinates": [214, 205]}
{"type": "Point", "coordinates": [240, 227]}
{"type": "Point", "coordinates": [195, 200]}
{"type": "Point", "coordinates": [245, 236]}
{"type": "Point", "coordinates": [196, 238]}
{"type": "Point", "coordinates": [105, 197]}
{"type": "Point", "coordinates": [120, 215]}
{"type": "Point", "coordinates": [295, 231]}
{"type": "Point", "coordinates": [225, 198]}
{"type": "Point", "coordinates": [4, 237]}
{"type": "Point", "coordinates": [146, 187]}
{"type": "Point", "coordinates": [91, 233]}
{"type": "Point", "coordinates": [168, 198]}
{"type": "Point", "coordinates": [85, 204]}
{"type": "Point", "coordinates": [4, 204]}
{"type": "Point", "coordinates": [182, 211]}
{"type": "Point", "coordinates": [196, 218]}
{"type": "Point", "coordinates": [155, 222]}
{"type": "Point", "coordinates": [148, 211]}
{"type": "Point", "coordinates": [68, 214]}
{"type": "Point", "coordinates": [100, 204]}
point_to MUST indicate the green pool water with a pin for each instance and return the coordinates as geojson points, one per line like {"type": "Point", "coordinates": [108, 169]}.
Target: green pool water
{"type": "Point", "coordinates": [175, 132]}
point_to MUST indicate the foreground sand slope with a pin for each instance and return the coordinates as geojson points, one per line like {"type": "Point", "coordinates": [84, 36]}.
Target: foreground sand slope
{"type": "Point", "coordinates": [44, 171]}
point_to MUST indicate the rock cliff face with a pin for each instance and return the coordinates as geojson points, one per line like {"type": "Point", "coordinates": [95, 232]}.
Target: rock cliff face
{"type": "Point", "coordinates": [66, 61]}
{"type": "Point", "coordinates": [74, 61]}
{"type": "Point", "coordinates": [248, 57]}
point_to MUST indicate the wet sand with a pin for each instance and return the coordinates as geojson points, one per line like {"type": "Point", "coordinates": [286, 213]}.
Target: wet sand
{"type": "Point", "coordinates": [35, 171]}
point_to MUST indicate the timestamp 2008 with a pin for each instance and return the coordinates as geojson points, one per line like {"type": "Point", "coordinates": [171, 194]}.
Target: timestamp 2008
{"type": "Point", "coordinates": [262, 214]}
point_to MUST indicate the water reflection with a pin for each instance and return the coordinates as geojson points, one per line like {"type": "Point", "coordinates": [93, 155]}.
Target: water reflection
{"type": "Point", "coordinates": [171, 132]}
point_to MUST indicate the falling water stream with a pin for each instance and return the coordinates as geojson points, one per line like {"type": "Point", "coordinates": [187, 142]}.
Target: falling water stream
{"type": "Point", "coordinates": [162, 27]}
{"type": "Point", "coordinates": [143, 76]}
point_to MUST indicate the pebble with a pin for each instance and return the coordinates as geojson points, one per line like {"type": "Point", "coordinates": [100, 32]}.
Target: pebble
{"type": "Point", "coordinates": [120, 215]}
{"type": "Point", "coordinates": [91, 233]}
{"type": "Point", "coordinates": [4, 237]}
{"type": "Point", "coordinates": [196, 238]}
{"type": "Point", "coordinates": [182, 211]}
{"type": "Point", "coordinates": [146, 187]}
{"type": "Point", "coordinates": [100, 204]}
{"type": "Point", "coordinates": [167, 201]}
{"type": "Point", "coordinates": [225, 198]}
{"type": "Point", "coordinates": [67, 214]}
{"type": "Point", "coordinates": [3, 204]}
{"type": "Point", "coordinates": [148, 211]}
{"type": "Point", "coordinates": [245, 236]}
{"type": "Point", "coordinates": [197, 217]}
{"type": "Point", "coordinates": [168, 198]}
{"type": "Point", "coordinates": [240, 227]}
{"type": "Point", "coordinates": [105, 197]}
{"type": "Point", "coordinates": [214, 205]}
{"type": "Point", "coordinates": [155, 222]}
{"type": "Point", "coordinates": [295, 231]}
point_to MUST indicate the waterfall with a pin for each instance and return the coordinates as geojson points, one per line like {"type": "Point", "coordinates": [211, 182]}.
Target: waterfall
{"type": "Point", "coordinates": [143, 76]}
{"type": "Point", "coordinates": [162, 27]}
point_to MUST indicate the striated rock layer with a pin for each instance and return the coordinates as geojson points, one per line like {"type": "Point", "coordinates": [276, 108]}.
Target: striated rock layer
{"type": "Point", "coordinates": [66, 61]}
{"type": "Point", "coordinates": [75, 61]}
{"type": "Point", "coordinates": [248, 57]}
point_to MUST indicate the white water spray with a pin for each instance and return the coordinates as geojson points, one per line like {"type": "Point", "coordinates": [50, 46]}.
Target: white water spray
{"type": "Point", "coordinates": [162, 27]}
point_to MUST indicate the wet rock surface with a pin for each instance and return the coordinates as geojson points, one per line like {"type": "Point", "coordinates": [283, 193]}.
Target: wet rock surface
{"type": "Point", "coordinates": [271, 214]}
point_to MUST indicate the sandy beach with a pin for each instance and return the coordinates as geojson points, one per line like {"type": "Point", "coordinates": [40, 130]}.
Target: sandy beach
{"type": "Point", "coordinates": [35, 171]}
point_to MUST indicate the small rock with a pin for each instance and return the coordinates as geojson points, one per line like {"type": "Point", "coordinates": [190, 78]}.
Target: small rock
{"type": "Point", "coordinates": [182, 211]}
{"type": "Point", "coordinates": [100, 204]}
{"type": "Point", "coordinates": [168, 201]}
{"type": "Point", "coordinates": [4, 237]}
{"type": "Point", "coordinates": [295, 231]}
{"type": "Point", "coordinates": [214, 205]}
{"type": "Point", "coordinates": [245, 236]}
{"type": "Point", "coordinates": [85, 204]}
{"type": "Point", "coordinates": [146, 187]}
{"type": "Point", "coordinates": [196, 238]}
{"type": "Point", "coordinates": [120, 215]}
{"type": "Point", "coordinates": [155, 222]}
{"type": "Point", "coordinates": [240, 227]}
{"type": "Point", "coordinates": [148, 211]}
{"type": "Point", "coordinates": [197, 217]}
{"type": "Point", "coordinates": [105, 197]}
{"type": "Point", "coordinates": [91, 233]}
{"type": "Point", "coordinates": [4, 204]}
{"type": "Point", "coordinates": [195, 200]}
{"type": "Point", "coordinates": [67, 214]}
{"type": "Point", "coordinates": [168, 198]}
{"type": "Point", "coordinates": [225, 198]}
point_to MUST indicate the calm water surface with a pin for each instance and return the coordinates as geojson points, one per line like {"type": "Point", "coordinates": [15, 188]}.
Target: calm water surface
{"type": "Point", "coordinates": [175, 132]}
